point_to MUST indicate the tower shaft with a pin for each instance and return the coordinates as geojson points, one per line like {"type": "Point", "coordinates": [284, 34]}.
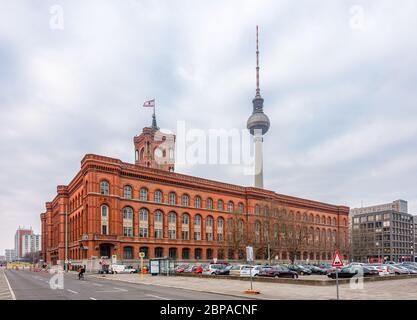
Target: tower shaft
{"type": "Point", "coordinates": [259, 176]}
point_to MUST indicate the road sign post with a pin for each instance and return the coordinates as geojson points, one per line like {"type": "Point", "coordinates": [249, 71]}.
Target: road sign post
{"type": "Point", "coordinates": [249, 258]}
{"type": "Point", "coordinates": [141, 256]}
{"type": "Point", "coordinates": [337, 262]}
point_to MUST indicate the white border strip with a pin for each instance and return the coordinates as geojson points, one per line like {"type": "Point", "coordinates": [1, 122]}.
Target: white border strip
{"type": "Point", "coordinates": [8, 284]}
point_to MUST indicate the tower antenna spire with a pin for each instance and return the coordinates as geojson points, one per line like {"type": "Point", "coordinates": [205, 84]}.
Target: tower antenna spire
{"type": "Point", "coordinates": [258, 90]}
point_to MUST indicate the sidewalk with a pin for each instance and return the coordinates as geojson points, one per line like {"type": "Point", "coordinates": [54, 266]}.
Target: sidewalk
{"type": "Point", "coordinates": [5, 293]}
{"type": "Point", "coordinates": [384, 290]}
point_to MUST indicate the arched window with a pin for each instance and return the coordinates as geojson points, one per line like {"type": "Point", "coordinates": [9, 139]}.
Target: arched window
{"type": "Point", "coordinates": [172, 198]}
{"type": "Point", "coordinates": [172, 253]}
{"type": "Point", "coordinates": [209, 228]}
{"type": "Point", "coordinates": [240, 207]}
{"type": "Point", "coordinates": [276, 231]}
{"type": "Point", "coordinates": [185, 253]}
{"type": "Point", "coordinates": [128, 253]}
{"type": "Point", "coordinates": [317, 219]}
{"type": "Point", "coordinates": [220, 205]}
{"type": "Point", "coordinates": [334, 236]}
{"type": "Point", "coordinates": [230, 206]}
{"type": "Point", "coordinates": [185, 201]}
{"type": "Point", "coordinates": [209, 203]}
{"type": "Point", "coordinates": [257, 231]}
{"type": "Point", "coordinates": [159, 252]}
{"type": "Point", "coordinates": [143, 223]}
{"type": "Point", "coordinates": [220, 224]}
{"type": "Point", "coordinates": [257, 209]}
{"type": "Point", "coordinates": [198, 253]}
{"type": "Point", "coordinates": [329, 236]}
{"type": "Point", "coordinates": [311, 218]}
{"type": "Point", "coordinates": [158, 224]}
{"type": "Point", "coordinates": [127, 192]}
{"type": "Point", "coordinates": [323, 235]}
{"type": "Point", "coordinates": [266, 231]}
{"type": "Point", "coordinates": [323, 220]}
{"type": "Point", "coordinates": [334, 221]}
{"type": "Point", "coordinates": [104, 210]}
{"type": "Point", "coordinates": [240, 229]}
{"type": "Point", "coordinates": [143, 194]}
{"type": "Point", "coordinates": [310, 235]}
{"type": "Point", "coordinates": [230, 229]}
{"type": "Point", "coordinates": [197, 227]}
{"type": "Point", "coordinates": [104, 187]}
{"type": "Point", "coordinates": [329, 221]}
{"type": "Point", "coordinates": [172, 225]}
{"type": "Point", "coordinates": [127, 222]}
{"type": "Point", "coordinates": [157, 197]}
{"type": "Point", "coordinates": [185, 228]}
{"type": "Point", "coordinates": [304, 217]}
{"type": "Point", "coordinates": [317, 235]}
{"type": "Point", "coordinates": [298, 216]}
{"type": "Point", "coordinates": [197, 202]}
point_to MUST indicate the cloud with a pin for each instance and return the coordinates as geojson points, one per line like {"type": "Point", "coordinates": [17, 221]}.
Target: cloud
{"type": "Point", "coordinates": [341, 100]}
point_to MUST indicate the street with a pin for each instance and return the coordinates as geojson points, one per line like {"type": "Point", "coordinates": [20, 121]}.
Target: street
{"type": "Point", "coordinates": [28, 285]}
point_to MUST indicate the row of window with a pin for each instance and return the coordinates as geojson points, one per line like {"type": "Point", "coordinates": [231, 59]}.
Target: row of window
{"type": "Point", "coordinates": [197, 222]}
{"type": "Point", "coordinates": [230, 206]}
{"type": "Point", "coordinates": [173, 199]}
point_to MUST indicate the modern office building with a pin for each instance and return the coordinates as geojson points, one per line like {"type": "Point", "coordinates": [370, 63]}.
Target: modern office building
{"type": "Point", "coordinates": [415, 237]}
{"type": "Point", "coordinates": [10, 255]}
{"type": "Point", "coordinates": [31, 243]}
{"type": "Point", "coordinates": [383, 231]}
{"type": "Point", "coordinates": [18, 241]}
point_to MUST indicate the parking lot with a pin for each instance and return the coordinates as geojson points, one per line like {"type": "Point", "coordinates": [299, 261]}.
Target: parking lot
{"type": "Point", "coordinates": [395, 289]}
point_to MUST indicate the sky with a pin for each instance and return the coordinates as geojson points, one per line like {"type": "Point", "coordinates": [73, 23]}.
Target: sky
{"type": "Point", "coordinates": [338, 78]}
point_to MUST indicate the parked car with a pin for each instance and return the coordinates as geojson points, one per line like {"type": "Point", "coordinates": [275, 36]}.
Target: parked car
{"type": "Point", "coordinates": [189, 269]}
{"type": "Point", "coordinates": [408, 269]}
{"type": "Point", "coordinates": [214, 269]}
{"type": "Point", "coordinates": [299, 269]}
{"type": "Point", "coordinates": [198, 269]}
{"type": "Point", "coordinates": [398, 270]}
{"type": "Point", "coordinates": [105, 269]}
{"type": "Point", "coordinates": [235, 270]}
{"type": "Point", "coordinates": [315, 269]}
{"type": "Point", "coordinates": [349, 272]}
{"type": "Point", "coordinates": [278, 272]}
{"type": "Point", "coordinates": [120, 268]}
{"type": "Point", "coordinates": [181, 268]}
{"type": "Point", "coordinates": [248, 270]}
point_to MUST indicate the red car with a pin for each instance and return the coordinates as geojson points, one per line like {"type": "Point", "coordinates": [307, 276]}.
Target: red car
{"type": "Point", "coordinates": [197, 270]}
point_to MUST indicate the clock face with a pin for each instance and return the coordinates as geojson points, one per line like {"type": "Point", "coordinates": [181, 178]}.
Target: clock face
{"type": "Point", "coordinates": [158, 153]}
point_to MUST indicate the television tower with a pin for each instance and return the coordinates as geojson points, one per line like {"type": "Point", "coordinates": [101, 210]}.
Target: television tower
{"type": "Point", "coordinates": [258, 123]}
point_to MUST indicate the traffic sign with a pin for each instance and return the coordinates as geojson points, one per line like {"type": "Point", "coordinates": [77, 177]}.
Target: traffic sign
{"type": "Point", "coordinates": [249, 253]}
{"type": "Point", "coordinates": [337, 260]}
{"type": "Point", "coordinates": [141, 254]}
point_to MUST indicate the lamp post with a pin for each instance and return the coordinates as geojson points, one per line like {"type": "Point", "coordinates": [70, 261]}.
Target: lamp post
{"type": "Point", "coordinates": [66, 239]}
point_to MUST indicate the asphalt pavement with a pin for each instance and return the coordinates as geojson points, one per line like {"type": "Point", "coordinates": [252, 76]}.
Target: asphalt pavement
{"type": "Point", "coordinates": [28, 285]}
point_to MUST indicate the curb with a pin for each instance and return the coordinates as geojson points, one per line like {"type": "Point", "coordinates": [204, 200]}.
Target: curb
{"type": "Point", "coordinates": [174, 287]}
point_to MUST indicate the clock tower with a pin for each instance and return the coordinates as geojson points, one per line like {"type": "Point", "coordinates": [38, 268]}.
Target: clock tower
{"type": "Point", "coordinates": [155, 149]}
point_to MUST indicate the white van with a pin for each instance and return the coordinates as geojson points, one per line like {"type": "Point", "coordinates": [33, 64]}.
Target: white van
{"type": "Point", "coordinates": [117, 268]}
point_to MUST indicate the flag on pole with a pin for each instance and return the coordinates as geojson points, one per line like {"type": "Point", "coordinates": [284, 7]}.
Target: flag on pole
{"type": "Point", "coordinates": [150, 103]}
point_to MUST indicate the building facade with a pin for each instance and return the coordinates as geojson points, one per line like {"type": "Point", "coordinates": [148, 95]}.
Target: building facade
{"type": "Point", "coordinates": [18, 241]}
{"type": "Point", "coordinates": [10, 255]}
{"type": "Point", "coordinates": [384, 231]}
{"type": "Point", "coordinates": [112, 208]}
{"type": "Point", "coordinates": [415, 238]}
{"type": "Point", "coordinates": [31, 243]}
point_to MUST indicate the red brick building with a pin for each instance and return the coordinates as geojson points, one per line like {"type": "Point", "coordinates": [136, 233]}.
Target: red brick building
{"type": "Point", "coordinates": [117, 208]}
